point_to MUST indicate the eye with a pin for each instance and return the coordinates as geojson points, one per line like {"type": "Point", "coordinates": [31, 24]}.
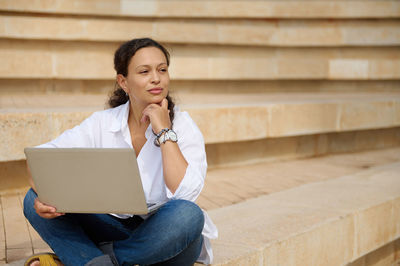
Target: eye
{"type": "Point", "coordinates": [143, 71]}
{"type": "Point", "coordinates": [163, 69]}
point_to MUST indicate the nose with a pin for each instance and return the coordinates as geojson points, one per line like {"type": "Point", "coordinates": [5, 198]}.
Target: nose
{"type": "Point", "coordinates": [155, 78]}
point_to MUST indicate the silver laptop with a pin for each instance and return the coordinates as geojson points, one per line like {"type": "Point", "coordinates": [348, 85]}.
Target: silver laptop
{"type": "Point", "coordinates": [89, 180]}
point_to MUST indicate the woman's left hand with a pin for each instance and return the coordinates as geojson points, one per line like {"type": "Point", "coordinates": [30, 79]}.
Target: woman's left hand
{"type": "Point", "coordinates": [158, 114]}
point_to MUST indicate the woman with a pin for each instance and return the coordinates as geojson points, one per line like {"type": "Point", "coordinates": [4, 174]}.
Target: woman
{"type": "Point", "coordinates": [172, 162]}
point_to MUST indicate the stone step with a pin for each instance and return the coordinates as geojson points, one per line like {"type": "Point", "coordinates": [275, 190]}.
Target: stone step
{"type": "Point", "coordinates": [184, 88]}
{"type": "Point", "coordinates": [211, 8]}
{"type": "Point", "coordinates": [222, 32]}
{"type": "Point", "coordinates": [27, 59]}
{"type": "Point", "coordinates": [224, 187]}
{"type": "Point", "coordinates": [35, 119]}
{"type": "Point", "coordinates": [330, 222]}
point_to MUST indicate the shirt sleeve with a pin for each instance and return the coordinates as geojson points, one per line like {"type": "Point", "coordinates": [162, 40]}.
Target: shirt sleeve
{"type": "Point", "coordinates": [191, 144]}
{"type": "Point", "coordinates": [81, 136]}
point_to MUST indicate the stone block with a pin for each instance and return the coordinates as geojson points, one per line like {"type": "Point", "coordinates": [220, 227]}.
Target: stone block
{"type": "Point", "coordinates": [17, 236]}
{"type": "Point", "coordinates": [371, 138]}
{"type": "Point", "coordinates": [334, 214]}
{"type": "Point", "coordinates": [190, 67]}
{"type": "Point", "coordinates": [396, 250]}
{"type": "Point", "coordinates": [302, 118]}
{"type": "Point", "coordinates": [302, 68]}
{"type": "Point", "coordinates": [137, 8]}
{"type": "Point", "coordinates": [2, 238]}
{"type": "Point", "coordinates": [246, 32]}
{"type": "Point", "coordinates": [185, 88]}
{"type": "Point", "coordinates": [396, 118]}
{"type": "Point", "coordinates": [209, 8]}
{"type": "Point", "coordinates": [24, 64]}
{"type": "Point", "coordinates": [43, 28]}
{"type": "Point", "coordinates": [370, 33]}
{"type": "Point", "coordinates": [83, 63]}
{"type": "Point", "coordinates": [307, 33]}
{"type": "Point", "coordinates": [374, 228]}
{"type": "Point", "coordinates": [29, 59]}
{"type": "Point", "coordinates": [244, 68]}
{"type": "Point", "coordinates": [380, 257]}
{"type": "Point", "coordinates": [184, 32]}
{"type": "Point", "coordinates": [275, 221]}
{"type": "Point", "coordinates": [384, 69]}
{"type": "Point", "coordinates": [93, 61]}
{"type": "Point", "coordinates": [13, 175]}
{"type": "Point", "coordinates": [32, 129]}
{"type": "Point", "coordinates": [2, 254]}
{"type": "Point", "coordinates": [118, 30]}
{"type": "Point", "coordinates": [367, 114]}
{"type": "Point", "coordinates": [233, 254]}
{"type": "Point", "coordinates": [229, 32]}
{"type": "Point", "coordinates": [327, 244]}
{"type": "Point", "coordinates": [233, 118]}
{"type": "Point", "coordinates": [396, 218]}
{"type": "Point", "coordinates": [17, 88]}
{"type": "Point", "coordinates": [17, 254]}
{"type": "Point", "coordinates": [348, 69]}
{"type": "Point", "coordinates": [374, 186]}
{"type": "Point", "coordinates": [245, 152]}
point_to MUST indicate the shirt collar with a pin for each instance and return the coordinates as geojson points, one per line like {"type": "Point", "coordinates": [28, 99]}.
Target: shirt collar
{"type": "Point", "coordinates": [121, 117]}
{"type": "Point", "coordinates": [121, 121]}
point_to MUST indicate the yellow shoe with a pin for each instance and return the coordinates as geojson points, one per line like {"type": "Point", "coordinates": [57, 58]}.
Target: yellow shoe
{"type": "Point", "coordinates": [45, 259]}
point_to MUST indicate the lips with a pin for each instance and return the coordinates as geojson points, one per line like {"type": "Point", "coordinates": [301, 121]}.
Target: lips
{"type": "Point", "coordinates": [155, 90]}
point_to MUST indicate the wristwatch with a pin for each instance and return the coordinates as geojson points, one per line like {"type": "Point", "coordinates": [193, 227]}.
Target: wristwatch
{"type": "Point", "coordinates": [167, 134]}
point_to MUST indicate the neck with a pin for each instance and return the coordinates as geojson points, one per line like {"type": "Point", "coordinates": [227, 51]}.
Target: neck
{"type": "Point", "coordinates": [135, 115]}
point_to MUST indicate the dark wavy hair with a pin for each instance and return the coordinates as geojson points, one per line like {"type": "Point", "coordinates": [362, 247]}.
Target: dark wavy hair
{"type": "Point", "coordinates": [122, 58]}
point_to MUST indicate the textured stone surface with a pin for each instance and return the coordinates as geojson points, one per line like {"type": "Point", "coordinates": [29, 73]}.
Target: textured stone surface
{"type": "Point", "coordinates": [340, 205]}
{"type": "Point", "coordinates": [64, 48]}
{"type": "Point", "coordinates": [32, 120]}
{"type": "Point", "coordinates": [13, 175]}
{"type": "Point", "coordinates": [17, 236]}
{"type": "Point", "coordinates": [233, 32]}
{"type": "Point", "coordinates": [32, 129]}
{"type": "Point", "coordinates": [386, 255]}
{"type": "Point", "coordinates": [358, 115]}
{"type": "Point", "coordinates": [204, 90]}
{"type": "Point", "coordinates": [93, 61]}
{"type": "Point", "coordinates": [328, 244]}
{"type": "Point", "coordinates": [333, 216]}
{"type": "Point", "coordinates": [377, 226]}
{"type": "Point", "coordinates": [221, 124]}
{"type": "Point", "coordinates": [210, 8]}
{"type": "Point", "coordinates": [2, 237]}
{"type": "Point", "coordinates": [289, 120]}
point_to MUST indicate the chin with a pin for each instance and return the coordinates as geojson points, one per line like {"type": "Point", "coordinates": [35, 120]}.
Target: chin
{"type": "Point", "coordinates": [157, 99]}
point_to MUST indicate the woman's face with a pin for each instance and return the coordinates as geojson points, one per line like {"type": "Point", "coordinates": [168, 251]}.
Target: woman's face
{"type": "Point", "coordinates": [148, 78]}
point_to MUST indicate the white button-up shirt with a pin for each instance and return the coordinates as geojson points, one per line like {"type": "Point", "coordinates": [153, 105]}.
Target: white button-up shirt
{"type": "Point", "coordinates": [109, 129]}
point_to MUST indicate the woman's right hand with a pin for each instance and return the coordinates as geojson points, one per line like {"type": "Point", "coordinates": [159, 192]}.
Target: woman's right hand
{"type": "Point", "coordinates": [46, 211]}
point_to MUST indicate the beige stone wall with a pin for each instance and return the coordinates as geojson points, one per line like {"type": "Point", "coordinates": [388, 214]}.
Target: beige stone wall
{"type": "Point", "coordinates": [264, 81]}
{"type": "Point", "coordinates": [251, 73]}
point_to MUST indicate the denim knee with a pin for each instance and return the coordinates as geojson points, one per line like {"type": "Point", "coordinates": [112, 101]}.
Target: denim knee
{"type": "Point", "coordinates": [29, 202]}
{"type": "Point", "coordinates": [188, 216]}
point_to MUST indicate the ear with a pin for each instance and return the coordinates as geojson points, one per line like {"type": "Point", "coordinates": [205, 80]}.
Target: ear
{"type": "Point", "coordinates": [121, 80]}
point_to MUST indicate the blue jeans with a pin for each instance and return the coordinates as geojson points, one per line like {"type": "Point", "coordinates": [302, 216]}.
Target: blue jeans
{"type": "Point", "coordinates": [170, 236]}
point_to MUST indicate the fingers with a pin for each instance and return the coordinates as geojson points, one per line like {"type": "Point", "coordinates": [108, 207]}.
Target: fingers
{"type": "Point", "coordinates": [164, 103]}
{"type": "Point", "coordinates": [157, 114]}
{"type": "Point", "coordinates": [46, 211]}
{"type": "Point", "coordinates": [144, 118]}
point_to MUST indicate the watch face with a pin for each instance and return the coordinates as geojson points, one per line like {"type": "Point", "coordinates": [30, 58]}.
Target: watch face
{"type": "Point", "coordinates": [172, 136]}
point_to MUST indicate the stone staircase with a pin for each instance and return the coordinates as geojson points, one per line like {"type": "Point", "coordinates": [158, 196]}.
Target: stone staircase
{"type": "Point", "coordinates": [269, 83]}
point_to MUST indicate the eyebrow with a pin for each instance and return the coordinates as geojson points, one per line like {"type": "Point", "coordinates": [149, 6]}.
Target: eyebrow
{"type": "Point", "coordinates": [150, 66]}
